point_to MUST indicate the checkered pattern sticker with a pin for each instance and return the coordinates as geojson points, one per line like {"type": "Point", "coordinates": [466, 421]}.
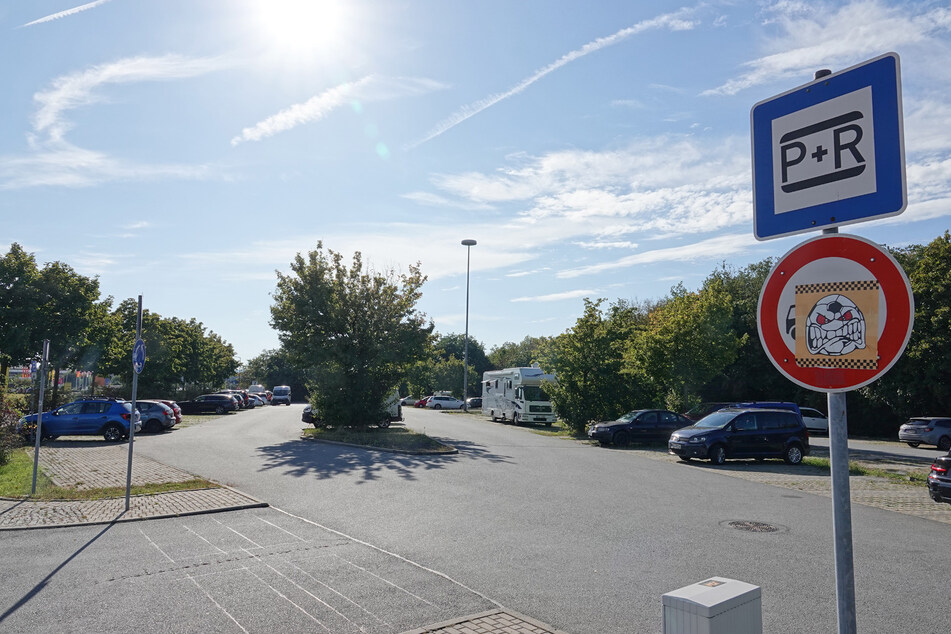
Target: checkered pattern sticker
{"type": "Point", "coordinates": [837, 325]}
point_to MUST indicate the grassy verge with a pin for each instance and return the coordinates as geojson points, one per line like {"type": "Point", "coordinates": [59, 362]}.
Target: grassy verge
{"type": "Point", "coordinates": [390, 439]}
{"type": "Point", "coordinates": [16, 480]}
{"type": "Point", "coordinates": [857, 469]}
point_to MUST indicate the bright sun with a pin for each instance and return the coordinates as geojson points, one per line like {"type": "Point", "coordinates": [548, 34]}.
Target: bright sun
{"type": "Point", "coordinates": [302, 27]}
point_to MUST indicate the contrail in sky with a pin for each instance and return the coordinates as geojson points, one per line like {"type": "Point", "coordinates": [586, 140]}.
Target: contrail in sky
{"type": "Point", "coordinates": [67, 12]}
{"type": "Point", "coordinates": [675, 21]}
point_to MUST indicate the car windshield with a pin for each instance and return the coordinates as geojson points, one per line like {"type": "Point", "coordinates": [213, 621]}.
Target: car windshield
{"type": "Point", "coordinates": [535, 393]}
{"type": "Point", "coordinates": [917, 421]}
{"type": "Point", "coordinates": [716, 420]}
{"type": "Point", "coordinates": [626, 418]}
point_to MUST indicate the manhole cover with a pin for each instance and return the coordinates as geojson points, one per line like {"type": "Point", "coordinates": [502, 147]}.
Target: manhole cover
{"type": "Point", "coordinates": [753, 527]}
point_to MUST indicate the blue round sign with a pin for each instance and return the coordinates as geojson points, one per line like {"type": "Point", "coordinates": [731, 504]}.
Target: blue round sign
{"type": "Point", "coordinates": [138, 356]}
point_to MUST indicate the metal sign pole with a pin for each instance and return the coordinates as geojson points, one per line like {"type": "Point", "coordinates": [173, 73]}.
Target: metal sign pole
{"type": "Point", "coordinates": [39, 415]}
{"type": "Point", "coordinates": [135, 387]}
{"type": "Point", "coordinates": [841, 513]}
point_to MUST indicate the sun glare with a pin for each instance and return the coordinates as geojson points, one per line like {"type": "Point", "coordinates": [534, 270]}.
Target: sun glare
{"type": "Point", "coordinates": [302, 27]}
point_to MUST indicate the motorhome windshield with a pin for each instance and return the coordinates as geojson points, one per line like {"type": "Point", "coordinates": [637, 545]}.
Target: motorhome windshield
{"type": "Point", "coordinates": [535, 393]}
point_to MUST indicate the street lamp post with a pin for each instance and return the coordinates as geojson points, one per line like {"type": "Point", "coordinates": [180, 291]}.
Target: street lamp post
{"type": "Point", "coordinates": [468, 244]}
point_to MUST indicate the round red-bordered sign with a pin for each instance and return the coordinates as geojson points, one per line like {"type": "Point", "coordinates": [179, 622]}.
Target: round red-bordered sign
{"type": "Point", "coordinates": [829, 260]}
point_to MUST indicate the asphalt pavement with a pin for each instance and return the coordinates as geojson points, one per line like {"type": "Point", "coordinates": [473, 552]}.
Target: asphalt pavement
{"type": "Point", "coordinates": [584, 538]}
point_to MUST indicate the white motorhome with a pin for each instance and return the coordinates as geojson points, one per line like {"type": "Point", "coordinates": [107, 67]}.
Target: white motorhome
{"type": "Point", "coordinates": [517, 395]}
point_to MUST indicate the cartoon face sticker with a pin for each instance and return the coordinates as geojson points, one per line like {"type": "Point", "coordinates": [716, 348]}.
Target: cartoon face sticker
{"type": "Point", "coordinates": [835, 326]}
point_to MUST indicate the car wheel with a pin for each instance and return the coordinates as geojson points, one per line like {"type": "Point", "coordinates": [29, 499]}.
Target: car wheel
{"type": "Point", "coordinates": [113, 432]}
{"type": "Point", "coordinates": [437, 406]}
{"type": "Point", "coordinates": [516, 419]}
{"type": "Point", "coordinates": [621, 439]}
{"type": "Point", "coordinates": [385, 423]}
{"type": "Point", "coordinates": [944, 444]}
{"type": "Point", "coordinates": [717, 454]}
{"type": "Point", "coordinates": [913, 444]}
{"type": "Point", "coordinates": [153, 426]}
{"type": "Point", "coordinates": [793, 454]}
{"type": "Point", "coordinates": [220, 409]}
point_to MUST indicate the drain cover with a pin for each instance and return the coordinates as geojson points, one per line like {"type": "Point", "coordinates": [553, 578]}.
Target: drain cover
{"type": "Point", "coordinates": [753, 527]}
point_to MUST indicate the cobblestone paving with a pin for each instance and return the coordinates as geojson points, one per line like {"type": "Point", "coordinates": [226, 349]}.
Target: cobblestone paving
{"type": "Point", "coordinates": [17, 514]}
{"type": "Point", "coordinates": [99, 466]}
{"type": "Point", "coordinates": [493, 622]}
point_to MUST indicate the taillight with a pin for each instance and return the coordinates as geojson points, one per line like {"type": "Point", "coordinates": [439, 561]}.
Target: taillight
{"type": "Point", "coordinates": [928, 429]}
{"type": "Point", "coordinates": [126, 416]}
{"type": "Point", "coordinates": [939, 470]}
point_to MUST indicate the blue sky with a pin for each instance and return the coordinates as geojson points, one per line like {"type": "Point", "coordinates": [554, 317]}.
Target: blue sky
{"type": "Point", "coordinates": [186, 149]}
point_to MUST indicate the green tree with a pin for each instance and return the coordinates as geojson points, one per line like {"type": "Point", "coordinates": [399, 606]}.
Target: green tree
{"type": "Point", "coordinates": [588, 361]}
{"type": "Point", "coordinates": [517, 355]}
{"type": "Point", "coordinates": [67, 307]}
{"type": "Point", "coordinates": [918, 382]}
{"type": "Point", "coordinates": [274, 367]}
{"type": "Point", "coordinates": [18, 310]}
{"type": "Point", "coordinates": [358, 331]}
{"type": "Point", "coordinates": [453, 345]}
{"type": "Point", "coordinates": [688, 339]}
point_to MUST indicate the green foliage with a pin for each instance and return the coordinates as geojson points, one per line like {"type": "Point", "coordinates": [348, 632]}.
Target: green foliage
{"type": "Point", "coordinates": [357, 332]}
{"type": "Point", "coordinates": [917, 384]}
{"type": "Point", "coordinates": [9, 439]}
{"type": "Point", "coordinates": [274, 367]}
{"type": "Point", "coordinates": [517, 355]}
{"type": "Point", "coordinates": [453, 345]}
{"type": "Point", "coordinates": [588, 361]}
{"type": "Point", "coordinates": [18, 308]}
{"type": "Point", "coordinates": [688, 340]}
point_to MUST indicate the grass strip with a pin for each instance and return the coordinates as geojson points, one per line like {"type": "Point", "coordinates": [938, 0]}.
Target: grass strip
{"type": "Point", "coordinates": [388, 439]}
{"type": "Point", "coordinates": [857, 469]}
{"type": "Point", "coordinates": [16, 480]}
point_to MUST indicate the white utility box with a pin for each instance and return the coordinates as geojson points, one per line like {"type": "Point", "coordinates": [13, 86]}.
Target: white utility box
{"type": "Point", "coordinates": [714, 606]}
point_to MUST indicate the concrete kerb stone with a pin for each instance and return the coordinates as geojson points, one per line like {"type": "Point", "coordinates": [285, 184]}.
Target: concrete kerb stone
{"type": "Point", "coordinates": [492, 622]}
{"type": "Point", "coordinates": [96, 466]}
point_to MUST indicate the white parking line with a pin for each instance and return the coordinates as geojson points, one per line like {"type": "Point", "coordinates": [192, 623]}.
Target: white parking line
{"type": "Point", "coordinates": [220, 607]}
{"type": "Point", "coordinates": [342, 596]}
{"type": "Point", "coordinates": [156, 546]}
{"type": "Point", "coordinates": [286, 598]}
{"type": "Point", "coordinates": [400, 557]}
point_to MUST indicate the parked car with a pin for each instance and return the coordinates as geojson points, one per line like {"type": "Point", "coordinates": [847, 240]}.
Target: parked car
{"type": "Point", "coordinates": [927, 430]}
{"type": "Point", "coordinates": [241, 397]}
{"type": "Point", "coordinates": [281, 395]}
{"type": "Point", "coordinates": [422, 402]}
{"type": "Point", "coordinates": [258, 398]}
{"type": "Point", "coordinates": [705, 409]}
{"type": "Point", "coordinates": [814, 420]}
{"type": "Point", "coordinates": [217, 403]}
{"type": "Point", "coordinates": [743, 432]}
{"type": "Point", "coordinates": [444, 402]}
{"type": "Point", "coordinates": [108, 417]}
{"type": "Point", "coordinates": [407, 401]}
{"type": "Point", "coordinates": [474, 402]}
{"type": "Point", "coordinates": [307, 416]}
{"type": "Point", "coordinates": [939, 480]}
{"type": "Point", "coordinates": [638, 426]}
{"type": "Point", "coordinates": [156, 417]}
{"type": "Point", "coordinates": [175, 409]}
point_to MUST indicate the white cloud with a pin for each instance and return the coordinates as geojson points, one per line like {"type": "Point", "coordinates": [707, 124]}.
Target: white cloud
{"type": "Point", "coordinates": [67, 12]}
{"type": "Point", "coordinates": [676, 21]}
{"type": "Point", "coordinates": [557, 297]}
{"type": "Point", "coordinates": [828, 36]}
{"type": "Point", "coordinates": [78, 89]}
{"type": "Point", "coordinates": [370, 88]}
{"type": "Point", "coordinates": [724, 246]}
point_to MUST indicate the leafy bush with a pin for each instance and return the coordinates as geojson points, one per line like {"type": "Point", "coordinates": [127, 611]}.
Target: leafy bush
{"type": "Point", "coordinates": [9, 439]}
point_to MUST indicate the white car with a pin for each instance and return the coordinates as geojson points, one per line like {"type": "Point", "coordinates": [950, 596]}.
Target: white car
{"type": "Point", "coordinates": [444, 402]}
{"type": "Point", "coordinates": [815, 420]}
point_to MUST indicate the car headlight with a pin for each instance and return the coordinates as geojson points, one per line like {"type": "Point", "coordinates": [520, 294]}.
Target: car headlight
{"type": "Point", "coordinates": [698, 439]}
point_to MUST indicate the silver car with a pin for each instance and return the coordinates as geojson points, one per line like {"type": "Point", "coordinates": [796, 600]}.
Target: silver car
{"type": "Point", "coordinates": [927, 430]}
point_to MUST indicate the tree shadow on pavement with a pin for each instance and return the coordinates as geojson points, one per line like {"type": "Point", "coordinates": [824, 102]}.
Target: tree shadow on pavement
{"type": "Point", "coordinates": [299, 458]}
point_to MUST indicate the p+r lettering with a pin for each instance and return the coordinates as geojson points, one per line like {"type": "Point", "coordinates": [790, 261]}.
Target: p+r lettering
{"type": "Point", "coordinates": [831, 146]}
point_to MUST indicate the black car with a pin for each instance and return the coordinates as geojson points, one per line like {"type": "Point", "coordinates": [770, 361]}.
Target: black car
{"type": "Point", "coordinates": [939, 480]}
{"type": "Point", "coordinates": [638, 426]}
{"type": "Point", "coordinates": [734, 432]}
{"type": "Point", "coordinates": [217, 403]}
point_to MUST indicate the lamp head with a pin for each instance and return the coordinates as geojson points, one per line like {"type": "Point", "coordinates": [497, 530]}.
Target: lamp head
{"type": "Point", "coordinates": [469, 243]}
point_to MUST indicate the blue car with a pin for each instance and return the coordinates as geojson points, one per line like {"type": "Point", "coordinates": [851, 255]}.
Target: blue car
{"type": "Point", "coordinates": [109, 418]}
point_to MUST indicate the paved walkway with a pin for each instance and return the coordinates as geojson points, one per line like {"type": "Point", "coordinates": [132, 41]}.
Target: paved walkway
{"type": "Point", "coordinates": [98, 465]}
